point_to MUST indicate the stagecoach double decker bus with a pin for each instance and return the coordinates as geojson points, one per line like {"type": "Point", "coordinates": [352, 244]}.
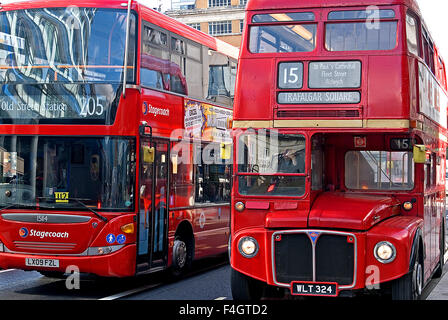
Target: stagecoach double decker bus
{"type": "Point", "coordinates": [340, 144]}
{"type": "Point", "coordinates": [107, 110]}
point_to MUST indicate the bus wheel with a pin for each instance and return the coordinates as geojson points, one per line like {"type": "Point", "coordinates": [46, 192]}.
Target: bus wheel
{"type": "Point", "coordinates": [410, 286]}
{"type": "Point", "coordinates": [439, 271]}
{"type": "Point", "coordinates": [245, 288]}
{"type": "Point", "coordinates": [182, 256]}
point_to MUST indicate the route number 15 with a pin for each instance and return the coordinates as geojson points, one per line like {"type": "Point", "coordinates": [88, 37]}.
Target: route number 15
{"type": "Point", "coordinates": [290, 75]}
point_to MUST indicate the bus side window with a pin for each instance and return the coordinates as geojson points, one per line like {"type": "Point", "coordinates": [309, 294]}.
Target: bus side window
{"type": "Point", "coordinates": [193, 70]}
{"type": "Point", "coordinates": [219, 77]}
{"type": "Point", "coordinates": [181, 174]}
{"type": "Point", "coordinates": [430, 171]}
{"type": "Point", "coordinates": [428, 50]}
{"type": "Point", "coordinates": [412, 34]}
{"type": "Point", "coordinates": [212, 181]}
{"type": "Point", "coordinates": [155, 58]}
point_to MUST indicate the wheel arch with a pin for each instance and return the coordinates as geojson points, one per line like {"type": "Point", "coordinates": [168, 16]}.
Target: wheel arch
{"type": "Point", "coordinates": [418, 246]}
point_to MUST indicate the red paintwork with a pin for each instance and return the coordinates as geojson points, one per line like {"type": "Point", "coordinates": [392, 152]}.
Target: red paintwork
{"type": "Point", "coordinates": [117, 264]}
{"type": "Point", "coordinates": [211, 239]}
{"type": "Point", "coordinates": [330, 211]}
{"type": "Point", "coordinates": [389, 91]}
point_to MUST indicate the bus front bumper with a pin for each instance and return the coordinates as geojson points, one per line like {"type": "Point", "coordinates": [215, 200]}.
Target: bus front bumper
{"type": "Point", "coordinates": [284, 257]}
{"type": "Point", "coordinates": [120, 263]}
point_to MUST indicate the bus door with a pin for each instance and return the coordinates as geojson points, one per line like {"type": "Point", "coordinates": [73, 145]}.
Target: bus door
{"type": "Point", "coordinates": [153, 209]}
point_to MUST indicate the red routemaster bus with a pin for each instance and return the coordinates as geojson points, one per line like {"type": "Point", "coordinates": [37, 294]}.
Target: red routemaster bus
{"type": "Point", "coordinates": [107, 110]}
{"type": "Point", "coordinates": [340, 144]}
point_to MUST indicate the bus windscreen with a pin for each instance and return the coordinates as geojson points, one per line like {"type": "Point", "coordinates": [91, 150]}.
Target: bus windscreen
{"type": "Point", "coordinates": [67, 173]}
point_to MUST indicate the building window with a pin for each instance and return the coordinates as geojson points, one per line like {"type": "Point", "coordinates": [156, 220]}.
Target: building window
{"type": "Point", "coordinates": [241, 25]}
{"type": "Point", "coordinates": [182, 4]}
{"type": "Point", "coordinates": [219, 27]}
{"type": "Point", "coordinates": [243, 2]}
{"type": "Point", "coordinates": [218, 3]}
{"type": "Point", "coordinates": [196, 26]}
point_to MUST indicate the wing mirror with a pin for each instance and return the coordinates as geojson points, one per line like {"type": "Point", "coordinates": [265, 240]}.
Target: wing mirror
{"type": "Point", "coordinates": [419, 153]}
{"type": "Point", "coordinates": [148, 154]}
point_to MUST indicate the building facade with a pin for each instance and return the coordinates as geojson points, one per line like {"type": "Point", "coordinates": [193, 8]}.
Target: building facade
{"type": "Point", "coordinates": [223, 19]}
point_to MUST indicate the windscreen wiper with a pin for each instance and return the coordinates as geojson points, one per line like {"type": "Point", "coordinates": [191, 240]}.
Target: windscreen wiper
{"type": "Point", "coordinates": [17, 205]}
{"type": "Point", "coordinates": [80, 201]}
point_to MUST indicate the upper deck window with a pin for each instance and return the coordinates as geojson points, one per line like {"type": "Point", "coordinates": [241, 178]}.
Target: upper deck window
{"type": "Point", "coordinates": [64, 65]}
{"type": "Point", "coordinates": [412, 34]}
{"type": "Point", "coordinates": [361, 36]}
{"type": "Point", "coordinates": [282, 17]}
{"type": "Point", "coordinates": [65, 45]}
{"type": "Point", "coordinates": [428, 50]}
{"type": "Point", "coordinates": [283, 38]}
{"type": "Point", "coordinates": [361, 14]}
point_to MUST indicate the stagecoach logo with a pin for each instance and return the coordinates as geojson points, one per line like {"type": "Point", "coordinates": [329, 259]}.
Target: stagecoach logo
{"type": "Point", "coordinates": [313, 235]}
{"type": "Point", "coordinates": [23, 232]}
{"type": "Point", "coordinates": [149, 109]}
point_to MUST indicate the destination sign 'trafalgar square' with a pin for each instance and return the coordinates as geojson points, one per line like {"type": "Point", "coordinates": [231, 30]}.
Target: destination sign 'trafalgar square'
{"type": "Point", "coordinates": [319, 97]}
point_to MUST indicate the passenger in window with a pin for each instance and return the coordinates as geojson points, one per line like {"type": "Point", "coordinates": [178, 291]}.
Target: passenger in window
{"type": "Point", "coordinates": [178, 46]}
{"type": "Point", "coordinates": [291, 161]}
{"type": "Point", "coordinates": [211, 191]}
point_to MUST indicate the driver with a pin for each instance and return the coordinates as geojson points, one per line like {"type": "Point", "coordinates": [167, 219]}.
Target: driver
{"type": "Point", "coordinates": [292, 161]}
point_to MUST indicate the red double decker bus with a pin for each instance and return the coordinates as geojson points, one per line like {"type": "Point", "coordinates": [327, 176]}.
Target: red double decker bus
{"type": "Point", "coordinates": [340, 150]}
{"type": "Point", "coordinates": [108, 113]}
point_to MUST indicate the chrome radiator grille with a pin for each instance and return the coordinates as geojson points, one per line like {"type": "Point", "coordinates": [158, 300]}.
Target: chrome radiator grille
{"type": "Point", "coordinates": [312, 255]}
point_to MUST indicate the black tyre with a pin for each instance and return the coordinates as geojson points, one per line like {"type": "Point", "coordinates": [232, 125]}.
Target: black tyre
{"type": "Point", "coordinates": [439, 271]}
{"type": "Point", "coordinates": [245, 288]}
{"type": "Point", "coordinates": [410, 286]}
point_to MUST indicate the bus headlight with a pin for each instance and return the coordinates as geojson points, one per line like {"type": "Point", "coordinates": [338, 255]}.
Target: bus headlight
{"type": "Point", "coordinates": [99, 251]}
{"type": "Point", "coordinates": [407, 206]}
{"type": "Point", "coordinates": [248, 247]}
{"type": "Point", "coordinates": [385, 252]}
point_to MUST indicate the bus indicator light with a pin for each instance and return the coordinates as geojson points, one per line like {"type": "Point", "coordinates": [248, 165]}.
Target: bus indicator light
{"type": "Point", "coordinates": [128, 228]}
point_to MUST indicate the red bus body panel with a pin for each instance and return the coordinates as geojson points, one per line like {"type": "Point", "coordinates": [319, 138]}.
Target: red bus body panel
{"type": "Point", "coordinates": [390, 107]}
{"type": "Point", "coordinates": [211, 235]}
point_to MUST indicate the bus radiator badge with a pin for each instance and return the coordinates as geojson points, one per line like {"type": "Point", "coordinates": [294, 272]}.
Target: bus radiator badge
{"type": "Point", "coordinates": [313, 236]}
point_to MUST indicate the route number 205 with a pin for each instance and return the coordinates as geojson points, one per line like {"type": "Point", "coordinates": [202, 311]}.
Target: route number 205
{"type": "Point", "coordinates": [92, 107]}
